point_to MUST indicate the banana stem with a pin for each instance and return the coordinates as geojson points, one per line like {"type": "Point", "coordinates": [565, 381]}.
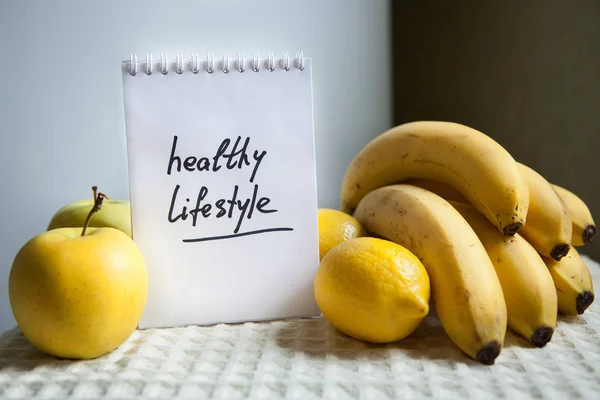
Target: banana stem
{"type": "Point", "coordinates": [98, 200]}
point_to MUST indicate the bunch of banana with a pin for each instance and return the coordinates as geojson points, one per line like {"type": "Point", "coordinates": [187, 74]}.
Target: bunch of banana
{"type": "Point", "coordinates": [495, 236]}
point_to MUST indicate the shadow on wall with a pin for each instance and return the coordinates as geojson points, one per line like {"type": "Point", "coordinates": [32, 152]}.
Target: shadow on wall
{"type": "Point", "coordinates": [525, 73]}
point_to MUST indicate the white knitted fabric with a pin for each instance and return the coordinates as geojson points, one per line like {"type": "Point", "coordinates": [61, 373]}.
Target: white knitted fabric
{"type": "Point", "coordinates": [308, 359]}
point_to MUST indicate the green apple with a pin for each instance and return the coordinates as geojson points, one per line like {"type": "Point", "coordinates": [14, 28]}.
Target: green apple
{"type": "Point", "coordinates": [114, 214]}
{"type": "Point", "coordinates": [78, 293]}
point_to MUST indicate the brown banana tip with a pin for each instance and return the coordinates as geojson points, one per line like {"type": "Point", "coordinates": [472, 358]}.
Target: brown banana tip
{"type": "Point", "coordinates": [584, 300]}
{"type": "Point", "coordinates": [560, 250]}
{"type": "Point", "coordinates": [542, 336]}
{"type": "Point", "coordinates": [511, 229]}
{"type": "Point", "coordinates": [588, 234]}
{"type": "Point", "coordinates": [488, 353]}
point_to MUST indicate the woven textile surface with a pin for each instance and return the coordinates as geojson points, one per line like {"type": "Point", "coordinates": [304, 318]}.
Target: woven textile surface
{"type": "Point", "coordinates": [309, 359]}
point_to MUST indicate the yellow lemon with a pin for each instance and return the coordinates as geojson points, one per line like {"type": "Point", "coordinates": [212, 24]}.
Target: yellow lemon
{"type": "Point", "coordinates": [372, 289]}
{"type": "Point", "coordinates": [336, 227]}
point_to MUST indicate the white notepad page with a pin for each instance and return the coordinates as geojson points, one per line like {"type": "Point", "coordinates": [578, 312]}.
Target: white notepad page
{"type": "Point", "coordinates": [197, 140]}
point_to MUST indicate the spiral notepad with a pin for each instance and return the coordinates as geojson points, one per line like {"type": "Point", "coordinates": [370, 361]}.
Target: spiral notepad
{"type": "Point", "coordinates": [222, 185]}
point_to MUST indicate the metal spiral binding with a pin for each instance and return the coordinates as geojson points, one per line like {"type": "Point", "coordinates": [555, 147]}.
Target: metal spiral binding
{"type": "Point", "coordinates": [210, 63]}
{"type": "Point", "coordinates": [194, 63]}
{"type": "Point", "coordinates": [270, 62]}
{"type": "Point", "coordinates": [133, 65]}
{"type": "Point", "coordinates": [163, 64]}
{"type": "Point", "coordinates": [225, 58]}
{"type": "Point", "coordinates": [300, 60]}
{"type": "Point", "coordinates": [285, 60]}
{"type": "Point", "coordinates": [149, 64]}
{"type": "Point", "coordinates": [240, 65]}
{"type": "Point", "coordinates": [179, 68]}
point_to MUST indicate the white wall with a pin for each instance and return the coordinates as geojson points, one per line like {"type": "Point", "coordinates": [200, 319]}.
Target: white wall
{"type": "Point", "coordinates": [61, 106]}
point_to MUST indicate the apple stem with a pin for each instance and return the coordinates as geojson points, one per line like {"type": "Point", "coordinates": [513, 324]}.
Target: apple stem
{"type": "Point", "coordinates": [98, 200]}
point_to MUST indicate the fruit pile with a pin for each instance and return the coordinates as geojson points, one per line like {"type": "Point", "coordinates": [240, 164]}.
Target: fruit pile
{"type": "Point", "coordinates": [443, 207]}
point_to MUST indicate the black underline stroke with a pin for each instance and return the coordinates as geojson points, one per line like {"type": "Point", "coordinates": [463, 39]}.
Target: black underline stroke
{"type": "Point", "coordinates": [205, 239]}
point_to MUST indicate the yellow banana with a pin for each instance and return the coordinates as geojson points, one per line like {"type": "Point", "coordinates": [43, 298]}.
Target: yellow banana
{"type": "Point", "coordinates": [584, 227]}
{"type": "Point", "coordinates": [548, 228]}
{"type": "Point", "coordinates": [465, 288]}
{"type": "Point", "coordinates": [526, 282]}
{"type": "Point", "coordinates": [574, 286]}
{"type": "Point", "coordinates": [468, 160]}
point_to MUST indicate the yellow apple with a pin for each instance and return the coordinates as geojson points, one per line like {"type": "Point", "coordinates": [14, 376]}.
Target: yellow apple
{"type": "Point", "coordinates": [77, 296]}
{"type": "Point", "coordinates": [114, 214]}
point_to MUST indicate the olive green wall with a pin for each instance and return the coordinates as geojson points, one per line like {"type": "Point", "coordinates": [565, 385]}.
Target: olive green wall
{"type": "Point", "coordinates": [527, 73]}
